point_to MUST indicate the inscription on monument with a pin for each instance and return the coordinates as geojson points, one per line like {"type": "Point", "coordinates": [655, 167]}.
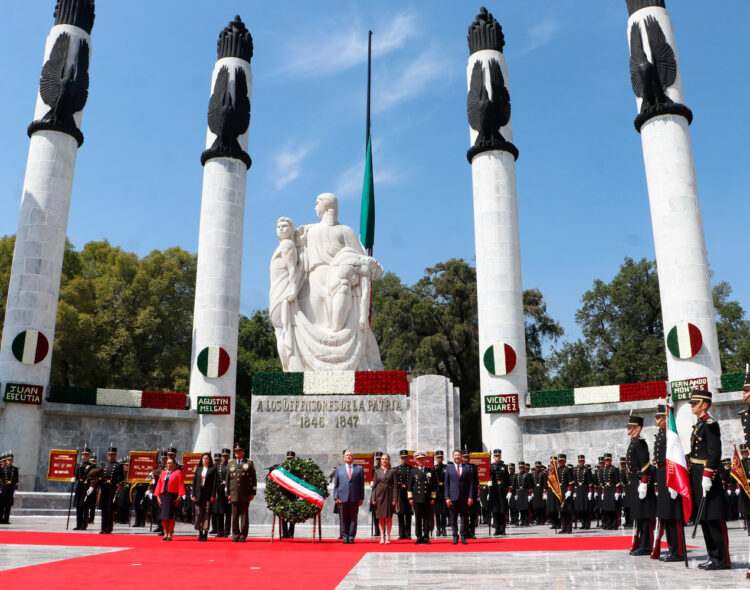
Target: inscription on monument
{"type": "Point", "coordinates": [23, 394]}
{"type": "Point", "coordinates": [681, 389]}
{"type": "Point", "coordinates": [501, 404]}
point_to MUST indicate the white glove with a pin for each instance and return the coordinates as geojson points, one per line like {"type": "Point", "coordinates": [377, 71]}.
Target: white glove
{"type": "Point", "coordinates": [568, 494]}
{"type": "Point", "coordinates": [623, 494]}
{"type": "Point", "coordinates": [575, 495]}
{"type": "Point", "coordinates": [544, 496]}
{"type": "Point", "coordinates": [642, 490]}
{"type": "Point", "coordinates": [507, 497]}
{"type": "Point", "coordinates": [617, 496]}
{"type": "Point", "coordinates": [589, 496]}
{"type": "Point", "coordinates": [673, 493]}
{"type": "Point", "coordinates": [489, 484]}
{"type": "Point", "coordinates": [706, 484]}
{"type": "Point", "coordinates": [729, 492]}
{"type": "Point", "coordinates": [737, 492]}
{"type": "Point", "coordinates": [531, 495]}
{"type": "Point", "coordinates": [515, 497]}
{"type": "Point", "coordinates": [656, 494]}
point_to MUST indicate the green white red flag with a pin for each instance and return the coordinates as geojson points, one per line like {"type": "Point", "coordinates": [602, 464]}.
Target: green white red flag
{"type": "Point", "coordinates": [678, 478]}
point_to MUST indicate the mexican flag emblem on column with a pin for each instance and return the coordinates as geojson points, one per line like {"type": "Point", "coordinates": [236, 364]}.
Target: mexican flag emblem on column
{"type": "Point", "coordinates": [684, 340]}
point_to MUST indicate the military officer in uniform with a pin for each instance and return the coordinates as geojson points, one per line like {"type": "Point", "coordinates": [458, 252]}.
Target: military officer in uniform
{"type": "Point", "coordinates": [640, 488]}
{"type": "Point", "coordinates": [522, 490]}
{"type": "Point", "coordinates": [609, 479]}
{"type": "Point", "coordinates": [667, 503]}
{"type": "Point", "coordinates": [222, 511]}
{"type": "Point", "coordinates": [241, 487]}
{"type": "Point", "coordinates": [730, 487]}
{"type": "Point", "coordinates": [404, 509]}
{"type": "Point", "coordinates": [705, 459]}
{"type": "Point", "coordinates": [538, 504]}
{"type": "Point", "coordinates": [81, 487]}
{"type": "Point", "coordinates": [567, 486]}
{"type": "Point", "coordinates": [8, 487]}
{"type": "Point", "coordinates": [421, 491]}
{"type": "Point", "coordinates": [583, 492]}
{"type": "Point", "coordinates": [624, 501]}
{"type": "Point", "coordinates": [287, 528]}
{"type": "Point", "coordinates": [440, 510]}
{"type": "Point", "coordinates": [743, 503]}
{"type": "Point", "coordinates": [500, 492]}
{"type": "Point", "coordinates": [219, 494]}
{"type": "Point", "coordinates": [112, 475]}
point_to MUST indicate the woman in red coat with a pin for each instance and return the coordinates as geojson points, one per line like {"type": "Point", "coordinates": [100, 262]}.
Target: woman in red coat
{"type": "Point", "coordinates": [169, 490]}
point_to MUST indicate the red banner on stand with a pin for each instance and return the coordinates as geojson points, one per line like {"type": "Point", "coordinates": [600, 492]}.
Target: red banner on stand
{"type": "Point", "coordinates": [190, 462]}
{"type": "Point", "coordinates": [482, 461]}
{"type": "Point", "coordinates": [140, 465]}
{"type": "Point", "coordinates": [367, 462]}
{"type": "Point", "coordinates": [62, 464]}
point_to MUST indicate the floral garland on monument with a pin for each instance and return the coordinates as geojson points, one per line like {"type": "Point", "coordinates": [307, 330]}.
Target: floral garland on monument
{"type": "Point", "coordinates": [296, 489]}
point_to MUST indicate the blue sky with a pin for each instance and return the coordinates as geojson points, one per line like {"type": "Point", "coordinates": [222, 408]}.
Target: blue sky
{"type": "Point", "coordinates": [582, 195]}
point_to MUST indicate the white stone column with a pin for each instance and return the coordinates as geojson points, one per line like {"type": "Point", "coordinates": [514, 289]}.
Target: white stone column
{"type": "Point", "coordinates": [217, 288]}
{"type": "Point", "coordinates": [679, 242]}
{"type": "Point", "coordinates": [38, 256]}
{"type": "Point", "coordinates": [498, 256]}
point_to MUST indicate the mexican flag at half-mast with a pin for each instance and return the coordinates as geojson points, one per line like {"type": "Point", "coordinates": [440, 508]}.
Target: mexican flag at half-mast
{"type": "Point", "coordinates": [678, 477]}
{"type": "Point", "coordinates": [553, 479]}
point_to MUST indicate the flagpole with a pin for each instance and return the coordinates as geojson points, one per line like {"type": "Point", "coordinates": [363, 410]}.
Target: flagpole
{"type": "Point", "coordinates": [367, 131]}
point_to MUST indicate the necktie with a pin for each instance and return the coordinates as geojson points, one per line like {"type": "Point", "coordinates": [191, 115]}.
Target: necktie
{"type": "Point", "coordinates": [349, 471]}
{"type": "Point", "coordinates": [459, 471]}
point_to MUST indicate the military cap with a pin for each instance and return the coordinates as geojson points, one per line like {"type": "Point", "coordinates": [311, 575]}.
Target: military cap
{"type": "Point", "coordinates": [403, 453]}
{"type": "Point", "coordinates": [239, 447]}
{"type": "Point", "coordinates": [439, 454]}
{"type": "Point", "coordinates": [746, 382]}
{"type": "Point", "coordinates": [562, 456]}
{"type": "Point", "coordinates": [378, 454]}
{"type": "Point", "coordinates": [217, 455]}
{"type": "Point", "coordinates": [698, 396]}
{"type": "Point", "coordinates": [497, 452]}
{"type": "Point", "coordinates": [726, 460]}
{"type": "Point", "coordinates": [537, 463]}
{"type": "Point", "coordinates": [743, 447]}
{"type": "Point", "coordinates": [226, 452]}
{"type": "Point", "coordinates": [9, 456]}
{"type": "Point", "coordinates": [623, 460]}
{"type": "Point", "coordinates": [86, 450]}
{"type": "Point", "coordinates": [607, 456]}
{"type": "Point", "coordinates": [112, 449]}
{"type": "Point", "coordinates": [465, 452]}
{"type": "Point", "coordinates": [635, 421]}
{"type": "Point", "coordinates": [290, 455]}
{"type": "Point", "coordinates": [522, 464]}
{"type": "Point", "coordinates": [587, 466]}
{"type": "Point", "coordinates": [581, 457]}
{"type": "Point", "coordinates": [171, 451]}
{"type": "Point", "coordinates": [600, 459]}
{"type": "Point", "coordinates": [512, 465]}
{"type": "Point", "coordinates": [661, 410]}
{"type": "Point", "coordinates": [419, 454]}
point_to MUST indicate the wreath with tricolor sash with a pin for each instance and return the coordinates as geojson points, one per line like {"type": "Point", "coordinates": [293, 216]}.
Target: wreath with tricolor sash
{"type": "Point", "coordinates": [296, 490]}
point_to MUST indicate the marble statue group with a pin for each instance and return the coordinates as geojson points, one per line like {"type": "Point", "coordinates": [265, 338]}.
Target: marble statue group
{"type": "Point", "coordinates": [320, 295]}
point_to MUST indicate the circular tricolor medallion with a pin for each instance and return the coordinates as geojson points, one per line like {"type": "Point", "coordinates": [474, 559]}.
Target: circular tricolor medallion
{"type": "Point", "coordinates": [500, 358]}
{"type": "Point", "coordinates": [30, 347]}
{"type": "Point", "coordinates": [684, 340]}
{"type": "Point", "coordinates": [213, 361]}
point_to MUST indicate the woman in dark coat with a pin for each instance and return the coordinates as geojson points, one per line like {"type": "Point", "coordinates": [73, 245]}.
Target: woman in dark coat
{"type": "Point", "coordinates": [204, 494]}
{"type": "Point", "coordinates": [385, 494]}
{"type": "Point", "coordinates": [169, 490]}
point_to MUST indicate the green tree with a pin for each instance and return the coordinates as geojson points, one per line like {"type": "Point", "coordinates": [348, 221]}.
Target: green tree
{"type": "Point", "coordinates": [256, 352]}
{"type": "Point", "coordinates": [432, 327]}
{"type": "Point", "coordinates": [732, 329]}
{"type": "Point", "coordinates": [623, 335]}
{"type": "Point", "coordinates": [7, 243]}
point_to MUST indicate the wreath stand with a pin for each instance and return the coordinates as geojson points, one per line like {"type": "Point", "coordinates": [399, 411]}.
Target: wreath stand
{"type": "Point", "coordinates": [317, 519]}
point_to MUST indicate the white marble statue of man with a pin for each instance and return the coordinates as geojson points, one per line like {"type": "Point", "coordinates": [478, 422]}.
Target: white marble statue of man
{"type": "Point", "coordinates": [329, 326]}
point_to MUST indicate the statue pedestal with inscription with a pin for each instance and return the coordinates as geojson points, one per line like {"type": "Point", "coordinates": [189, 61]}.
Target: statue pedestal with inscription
{"type": "Point", "coordinates": [319, 414]}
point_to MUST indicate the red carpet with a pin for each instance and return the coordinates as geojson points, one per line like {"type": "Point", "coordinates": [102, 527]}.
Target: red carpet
{"type": "Point", "coordinates": [257, 563]}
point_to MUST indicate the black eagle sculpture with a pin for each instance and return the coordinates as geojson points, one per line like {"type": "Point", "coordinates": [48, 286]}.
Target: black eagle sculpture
{"type": "Point", "coordinates": [487, 115]}
{"type": "Point", "coordinates": [651, 78]}
{"type": "Point", "coordinates": [228, 117]}
{"type": "Point", "coordinates": [64, 87]}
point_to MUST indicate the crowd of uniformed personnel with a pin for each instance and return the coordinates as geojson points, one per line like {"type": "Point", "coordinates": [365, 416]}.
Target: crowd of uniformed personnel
{"type": "Point", "coordinates": [633, 494]}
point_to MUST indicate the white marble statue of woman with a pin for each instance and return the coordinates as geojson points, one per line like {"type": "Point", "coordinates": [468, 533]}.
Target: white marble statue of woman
{"type": "Point", "coordinates": [286, 278]}
{"type": "Point", "coordinates": [329, 329]}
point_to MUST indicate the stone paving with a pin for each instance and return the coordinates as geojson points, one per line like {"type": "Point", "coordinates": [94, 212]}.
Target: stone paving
{"type": "Point", "coordinates": [559, 569]}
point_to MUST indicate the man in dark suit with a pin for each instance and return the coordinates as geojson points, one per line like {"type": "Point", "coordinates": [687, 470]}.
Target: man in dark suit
{"type": "Point", "coordinates": [241, 486]}
{"type": "Point", "coordinates": [348, 493]}
{"type": "Point", "coordinates": [421, 493]}
{"type": "Point", "coordinates": [459, 495]}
